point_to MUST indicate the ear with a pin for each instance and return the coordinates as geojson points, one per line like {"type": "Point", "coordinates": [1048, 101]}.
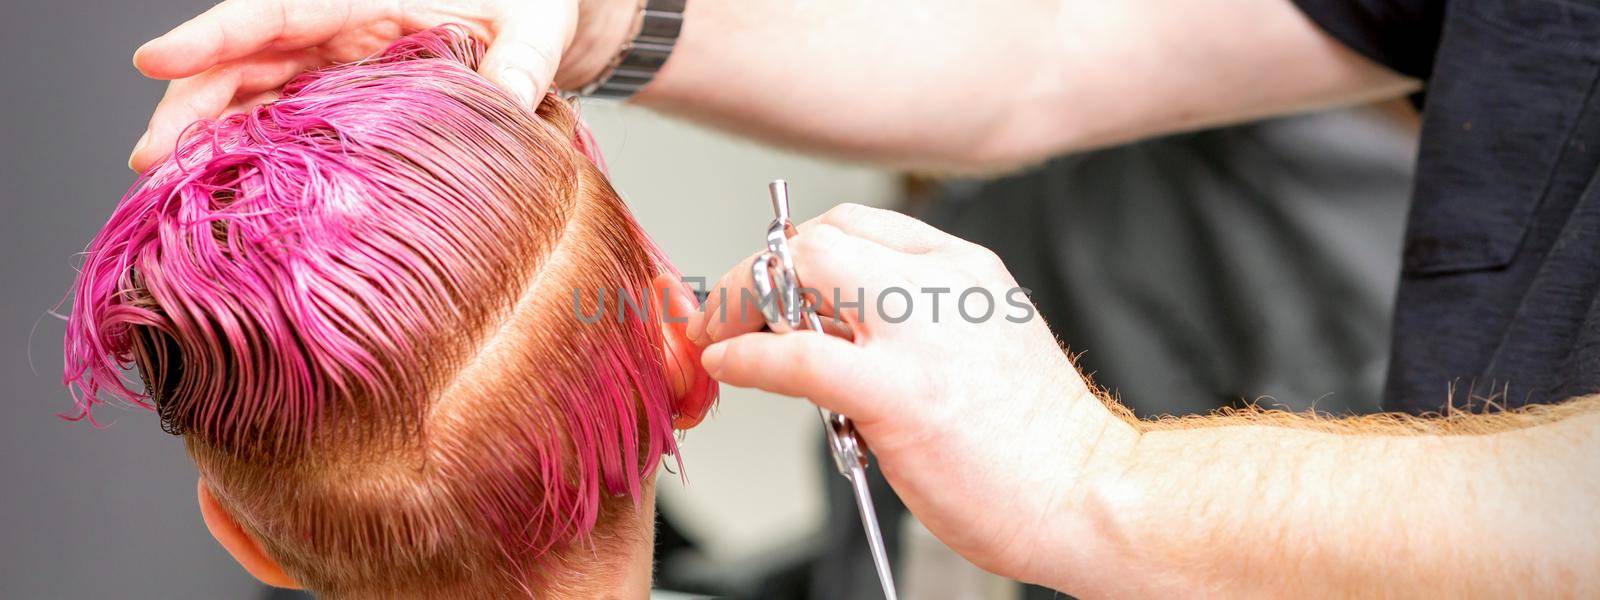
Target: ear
{"type": "Point", "coordinates": [239, 543]}
{"type": "Point", "coordinates": [694, 389]}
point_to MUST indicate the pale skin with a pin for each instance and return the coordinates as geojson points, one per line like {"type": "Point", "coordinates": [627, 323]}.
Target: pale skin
{"type": "Point", "coordinates": [929, 83]}
{"type": "Point", "coordinates": [1035, 477]}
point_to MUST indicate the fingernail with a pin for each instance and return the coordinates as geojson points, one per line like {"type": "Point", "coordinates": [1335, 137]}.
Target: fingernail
{"type": "Point", "coordinates": [519, 83]}
{"type": "Point", "coordinates": [710, 334]}
{"type": "Point", "coordinates": [711, 359]}
{"type": "Point", "coordinates": [697, 327]}
{"type": "Point", "coordinates": [138, 52]}
{"type": "Point", "coordinates": [144, 140]}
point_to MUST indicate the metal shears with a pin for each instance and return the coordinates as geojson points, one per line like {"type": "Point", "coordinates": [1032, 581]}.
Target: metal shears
{"type": "Point", "coordinates": [786, 309]}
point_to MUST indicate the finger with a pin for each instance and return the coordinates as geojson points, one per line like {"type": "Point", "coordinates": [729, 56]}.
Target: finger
{"type": "Point", "coordinates": [248, 103]}
{"type": "Point", "coordinates": [224, 89]}
{"type": "Point", "coordinates": [730, 298]}
{"type": "Point", "coordinates": [735, 302]}
{"type": "Point", "coordinates": [527, 50]}
{"type": "Point", "coordinates": [203, 96]}
{"type": "Point", "coordinates": [270, 70]}
{"type": "Point", "coordinates": [235, 29]}
{"type": "Point", "coordinates": [831, 372]}
{"type": "Point", "coordinates": [835, 265]}
{"type": "Point", "coordinates": [838, 264]}
{"type": "Point", "coordinates": [887, 227]}
{"type": "Point", "coordinates": [734, 298]}
{"type": "Point", "coordinates": [837, 327]}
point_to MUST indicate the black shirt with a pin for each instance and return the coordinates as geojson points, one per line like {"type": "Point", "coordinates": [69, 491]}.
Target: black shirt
{"type": "Point", "coordinates": [1499, 301]}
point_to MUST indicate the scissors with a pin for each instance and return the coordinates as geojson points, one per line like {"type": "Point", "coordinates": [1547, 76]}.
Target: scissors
{"type": "Point", "coordinates": [786, 309]}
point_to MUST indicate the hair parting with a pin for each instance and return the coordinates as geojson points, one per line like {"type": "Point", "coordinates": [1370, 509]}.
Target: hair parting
{"type": "Point", "coordinates": [351, 303]}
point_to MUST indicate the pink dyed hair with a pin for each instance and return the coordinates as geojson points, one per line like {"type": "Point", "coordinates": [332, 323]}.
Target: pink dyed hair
{"type": "Point", "coordinates": [354, 305]}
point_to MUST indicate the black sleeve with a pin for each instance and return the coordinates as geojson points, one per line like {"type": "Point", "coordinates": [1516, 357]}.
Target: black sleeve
{"type": "Point", "coordinates": [1400, 34]}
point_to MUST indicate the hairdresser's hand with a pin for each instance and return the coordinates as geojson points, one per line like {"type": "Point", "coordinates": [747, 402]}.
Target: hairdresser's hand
{"type": "Point", "coordinates": [241, 51]}
{"type": "Point", "coordinates": [984, 428]}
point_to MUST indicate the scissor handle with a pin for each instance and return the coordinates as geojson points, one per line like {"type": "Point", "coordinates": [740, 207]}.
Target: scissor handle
{"type": "Point", "coordinates": [777, 290]}
{"type": "Point", "coordinates": [849, 452]}
{"type": "Point", "coordinates": [786, 310]}
{"type": "Point", "coordinates": [779, 189]}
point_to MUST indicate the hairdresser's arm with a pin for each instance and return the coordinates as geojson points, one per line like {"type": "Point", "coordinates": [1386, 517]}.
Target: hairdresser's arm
{"type": "Point", "coordinates": [933, 83]}
{"type": "Point", "coordinates": [1252, 509]}
{"type": "Point", "coordinates": [978, 85]}
{"type": "Point", "coordinates": [993, 440]}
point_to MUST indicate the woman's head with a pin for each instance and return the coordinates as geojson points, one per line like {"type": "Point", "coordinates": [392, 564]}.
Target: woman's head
{"type": "Point", "coordinates": [363, 305]}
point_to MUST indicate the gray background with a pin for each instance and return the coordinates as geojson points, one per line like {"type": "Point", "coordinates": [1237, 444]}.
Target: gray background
{"type": "Point", "coordinates": [84, 513]}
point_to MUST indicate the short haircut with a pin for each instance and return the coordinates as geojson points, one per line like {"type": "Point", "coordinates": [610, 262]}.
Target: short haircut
{"type": "Point", "coordinates": [358, 306]}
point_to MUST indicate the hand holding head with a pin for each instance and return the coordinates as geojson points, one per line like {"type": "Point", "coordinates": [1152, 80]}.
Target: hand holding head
{"type": "Point", "coordinates": [238, 53]}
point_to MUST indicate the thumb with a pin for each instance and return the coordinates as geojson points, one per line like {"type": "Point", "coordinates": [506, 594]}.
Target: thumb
{"type": "Point", "coordinates": [829, 371]}
{"type": "Point", "coordinates": [527, 51]}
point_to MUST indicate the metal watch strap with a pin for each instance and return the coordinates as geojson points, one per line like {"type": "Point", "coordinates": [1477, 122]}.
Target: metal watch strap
{"type": "Point", "coordinates": [660, 22]}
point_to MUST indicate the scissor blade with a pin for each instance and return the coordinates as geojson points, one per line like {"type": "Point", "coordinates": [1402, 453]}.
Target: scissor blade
{"type": "Point", "coordinates": [869, 522]}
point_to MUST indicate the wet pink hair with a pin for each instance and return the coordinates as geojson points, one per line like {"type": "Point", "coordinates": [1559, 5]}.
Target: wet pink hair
{"type": "Point", "coordinates": [355, 303]}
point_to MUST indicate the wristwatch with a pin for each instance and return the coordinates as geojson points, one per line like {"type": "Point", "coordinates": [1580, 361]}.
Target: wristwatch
{"type": "Point", "coordinates": [655, 34]}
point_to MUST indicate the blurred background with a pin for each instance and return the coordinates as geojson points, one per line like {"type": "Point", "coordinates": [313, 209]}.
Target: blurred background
{"type": "Point", "coordinates": [1253, 264]}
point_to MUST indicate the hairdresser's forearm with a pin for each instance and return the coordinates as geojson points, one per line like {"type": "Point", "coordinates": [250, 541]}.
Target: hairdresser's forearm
{"type": "Point", "coordinates": [974, 85]}
{"type": "Point", "coordinates": [1255, 510]}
